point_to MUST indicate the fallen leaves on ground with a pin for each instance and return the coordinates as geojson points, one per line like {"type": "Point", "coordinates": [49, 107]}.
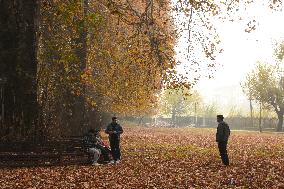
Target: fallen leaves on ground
{"type": "Point", "coordinates": [168, 158]}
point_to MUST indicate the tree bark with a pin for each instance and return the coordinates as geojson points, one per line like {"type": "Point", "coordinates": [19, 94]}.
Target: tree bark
{"type": "Point", "coordinates": [18, 28]}
{"type": "Point", "coordinates": [260, 117]}
{"type": "Point", "coordinates": [251, 112]}
{"type": "Point", "coordinates": [280, 121]}
{"type": "Point", "coordinates": [79, 121]}
{"type": "Point", "coordinates": [173, 115]}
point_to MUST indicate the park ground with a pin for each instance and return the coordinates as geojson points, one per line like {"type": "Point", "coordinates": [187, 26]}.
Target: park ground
{"type": "Point", "coordinates": [168, 158]}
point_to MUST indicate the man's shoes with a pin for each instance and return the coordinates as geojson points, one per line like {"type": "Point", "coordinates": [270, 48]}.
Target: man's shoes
{"type": "Point", "coordinates": [225, 166]}
{"type": "Point", "coordinates": [117, 161]}
{"type": "Point", "coordinates": [95, 164]}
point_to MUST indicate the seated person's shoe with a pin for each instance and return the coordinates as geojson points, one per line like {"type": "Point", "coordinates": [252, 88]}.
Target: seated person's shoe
{"type": "Point", "coordinates": [111, 162]}
{"type": "Point", "coordinates": [95, 164]}
{"type": "Point", "coordinates": [117, 161]}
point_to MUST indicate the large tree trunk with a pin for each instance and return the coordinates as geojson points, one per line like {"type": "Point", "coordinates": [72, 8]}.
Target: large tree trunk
{"type": "Point", "coordinates": [280, 121]}
{"type": "Point", "coordinates": [85, 117]}
{"type": "Point", "coordinates": [79, 121]}
{"type": "Point", "coordinates": [19, 66]}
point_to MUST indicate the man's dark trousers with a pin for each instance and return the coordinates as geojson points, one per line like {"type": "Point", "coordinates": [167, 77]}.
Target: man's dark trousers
{"type": "Point", "coordinates": [223, 152]}
{"type": "Point", "coordinates": [104, 151]}
{"type": "Point", "coordinates": [115, 150]}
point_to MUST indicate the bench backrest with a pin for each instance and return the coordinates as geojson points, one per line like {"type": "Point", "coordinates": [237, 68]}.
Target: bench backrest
{"type": "Point", "coordinates": [62, 145]}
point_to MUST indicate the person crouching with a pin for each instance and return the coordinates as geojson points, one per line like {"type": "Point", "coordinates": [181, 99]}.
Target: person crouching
{"type": "Point", "coordinates": [90, 142]}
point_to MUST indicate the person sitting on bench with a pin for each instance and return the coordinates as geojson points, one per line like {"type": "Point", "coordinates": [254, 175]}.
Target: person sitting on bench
{"type": "Point", "coordinates": [103, 147]}
{"type": "Point", "coordinates": [91, 143]}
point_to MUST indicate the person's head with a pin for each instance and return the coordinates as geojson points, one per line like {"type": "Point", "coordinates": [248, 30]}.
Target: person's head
{"type": "Point", "coordinates": [114, 119]}
{"type": "Point", "coordinates": [220, 118]}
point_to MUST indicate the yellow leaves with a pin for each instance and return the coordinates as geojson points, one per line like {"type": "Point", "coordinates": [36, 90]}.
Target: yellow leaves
{"type": "Point", "coordinates": [124, 71]}
{"type": "Point", "coordinates": [77, 93]}
{"type": "Point", "coordinates": [91, 101]}
{"type": "Point", "coordinates": [186, 94]}
{"type": "Point", "coordinates": [86, 77]}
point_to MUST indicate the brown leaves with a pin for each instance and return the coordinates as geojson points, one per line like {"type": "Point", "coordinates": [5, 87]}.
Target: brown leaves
{"type": "Point", "coordinates": [168, 158]}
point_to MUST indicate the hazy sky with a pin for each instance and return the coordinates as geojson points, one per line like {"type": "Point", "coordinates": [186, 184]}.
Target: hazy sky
{"type": "Point", "coordinates": [241, 51]}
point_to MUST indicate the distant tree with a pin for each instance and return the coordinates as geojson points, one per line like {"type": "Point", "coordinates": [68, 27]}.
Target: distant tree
{"type": "Point", "coordinates": [267, 88]}
{"type": "Point", "coordinates": [235, 111]}
{"type": "Point", "coordinates": [247, 89]}
{"type": "Point", "coordinates": [210, 110]}
{"type": "Point", "coordinates": [178, 102]}
{"type": "Point", "coordinates": [279, 51]}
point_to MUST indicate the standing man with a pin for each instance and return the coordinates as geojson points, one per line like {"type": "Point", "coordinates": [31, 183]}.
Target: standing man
{"type": "Point", "coordinates": [222, 136]}
{"type": "Point", "coordinates": [114, 130]}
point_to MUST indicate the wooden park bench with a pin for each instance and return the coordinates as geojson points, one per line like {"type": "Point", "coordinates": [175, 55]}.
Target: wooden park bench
{"type": "Point", "coordinates": [68, 150]}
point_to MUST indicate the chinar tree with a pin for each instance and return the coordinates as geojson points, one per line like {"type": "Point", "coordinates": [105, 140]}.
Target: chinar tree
{"type": "Point", "coordinates": [18, 68]}
{"type": "Point", "coordinates": [265, 84]}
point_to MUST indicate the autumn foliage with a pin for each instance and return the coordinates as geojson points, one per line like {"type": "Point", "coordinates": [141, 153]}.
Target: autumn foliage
{"type": "Point", "coordinates": [104, 57]}
{"type": "Point", "coordinates": [168, 158]}
{"type": "Point", "coordinates": [70, 64]}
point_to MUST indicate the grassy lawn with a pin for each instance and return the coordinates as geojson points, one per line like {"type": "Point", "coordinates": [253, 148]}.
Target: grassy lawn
{"type": "Point", "coordinates": [169, 158]}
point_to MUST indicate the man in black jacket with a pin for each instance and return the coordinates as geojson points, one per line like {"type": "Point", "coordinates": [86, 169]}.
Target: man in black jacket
{"type": "Point", "coordinates": [114, 130]}
{"type": "Point", "coordinates": [222, 136]}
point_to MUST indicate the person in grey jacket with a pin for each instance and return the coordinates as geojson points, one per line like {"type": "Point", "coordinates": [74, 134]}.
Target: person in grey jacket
{"type": "Point", "coordinates": [91, 144]}
{"type": "Point", "coordinates": [222, 137]}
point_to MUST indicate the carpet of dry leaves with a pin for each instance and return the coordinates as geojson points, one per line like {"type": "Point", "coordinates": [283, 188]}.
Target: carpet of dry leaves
{"type": "Point", "coordinates": [168, 158]}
